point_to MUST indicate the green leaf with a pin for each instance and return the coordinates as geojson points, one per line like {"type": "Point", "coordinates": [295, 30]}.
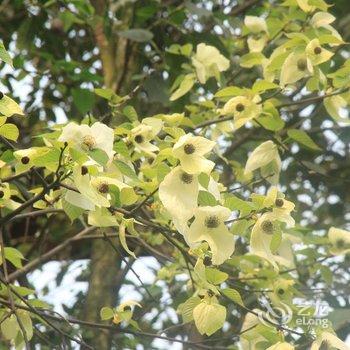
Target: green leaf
{"type": "Point", "coordinates": [303, 138]}
{"type": "Point", "coordinates": [229, 92]}
{"type": "Point", "coordinates": [234, 295]}
{"type": "Point", "coordinates": [276, 241]}
{"type": "Point", "coordinates": [263, 85]}
{"type": "Point", "coordinates": [209, 317]}
{"type": "Point", "coordinates": [10, 327]}
{"type": "Point", "coordinates": [215, 276]}
{"type": "Point", "coordinates": [71, 210]}
{"type": "Point", "coordinates": [206, 198]}
{"type": "Point", "coordinates": [126, 170]}
{"type": "Point", "coordinates": [4, 55]}
{"type": "Point", "coordinates": [177, 49]}
{"type": "Point", "coordinates": [106, 313]}
{"type": "Point", "coordinates": [9, 131]}
{"type": "Point", "coordinates": [252, 59]}
{"type": "Point", "coordinates": [139, 35]}
{"type": "Point", "coordinates": [234, 203]}
{"type": "Point", "coordinates": [14, 256]}
{"type": "Point", "coordinates": [186, 308]}
{"type": "Point", "coordinates": [99, 156]}
{"type": "Point", "coordinates": [9, 107]}
{"type": "Point", "coordinates": [130, 113]}
{"type": "Point", "coordinates": [83, 99]}
{"type": "Point", "coordinates": [185, 86]}
{"type": "Point", "coordinates": [271, 119]}
{"type": "Point", "coordinates": [104, 93]}
{"type": "Point", "coordinates": [327, 274]}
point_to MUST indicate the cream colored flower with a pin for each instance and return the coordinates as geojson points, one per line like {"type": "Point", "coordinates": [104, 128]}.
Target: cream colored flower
{"type": "Point", "coordinates": [95, 190]}
{"type": "Point", "coordinates": [262, 233]}
{"type": "Point", "coordinates": [295, 67]}
{"type": "Point", "coordinates": [190, 150]}
{"type": "Point", "coordinates": [243, 109]}
{"type": "Point", "coordinates": [209, 62]}
{"type": "Point", "coordinates": [281, 207]}
{"type": "Point", "coordinates": [86, 138]}
{"type": "Point", "coordinates": [316, 53]}
{"type": "Point", "coordinates": [251, 335]}
{"type": "Point", "coordinates": [328, 340]}
{"type": "Point", "coordinates": [5, 197]}
{"type": "Point", "coordinates": [178, 192]}
{"type": "Point", "coordinates": [259, 33]}
{"type": "Point", "coordinates": [144, 133]}
{"type": "Point", "coordinates": [305, 6]}
{"type": "Point", "coordinates": [281, 346]}
{"type": "Point", "coordinates": [340, 240]}
{"type": "Point", "coordinates": [209, 226]}
{"type": "Point", "coordinates": [264, 154]}
{"type": "Point", "coordinates": [323, 20]}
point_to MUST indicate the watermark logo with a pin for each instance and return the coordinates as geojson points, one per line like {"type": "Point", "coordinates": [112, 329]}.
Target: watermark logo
{"type": "Point", "coordinates": [306, 314]}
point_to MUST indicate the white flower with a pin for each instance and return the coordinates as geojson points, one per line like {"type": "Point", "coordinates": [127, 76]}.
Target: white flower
{"type": "Point", "coordinates": [179, 193]}
{"type": "Point", "coordinates": [316, 53]}
{"type": "Point", "coordinates": [144, 133]}
{"type": "Point", "coordinates": [208, 62]}
{"type": "Point", "coordinates": [262, 233]}
{"type": "Point", "coordinates": [255, 24]}
{"type": "Point", "coordinates": [251, 334]}
{"type": "Point", "coordinates": [259, 37]}
{"type": "Point", "coordinates": [281, 207]}
{"type": "Point", "coordinates": [95, 190]}
{"type": "Point", "coordinates": [5, 197]}
{"type": "Point", "coordinates": [209, 226]}
{"type": "Point", "coordinates": [262, 156]}
{"type": "Point", "coordinates": [243, 109]}
{"type": "Point", "coordinates": [190, 150]}
{"type": "Point", "coordinates": [304, 5]}
{"type": "Point", "coordinates": [323, 20]}
{"type": "Point", "coordinates": [328, 340]}
{"type": "Point", "coordinates": [340, 240]}
{"type": "Point", "coordinates": [98, 136]}
{"type": "Point", "coordinates": [281, 346]}
{"type": "Point", "coordinates": [295, 67]}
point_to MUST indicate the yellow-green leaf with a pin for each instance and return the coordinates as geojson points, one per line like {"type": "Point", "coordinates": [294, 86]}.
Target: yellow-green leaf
{"type": "Point", "coordinates": [9, 131]}
{"type": "Point", "coordinates": [9, 107]}
{"type": "Point", "coordinates": [302, 138]}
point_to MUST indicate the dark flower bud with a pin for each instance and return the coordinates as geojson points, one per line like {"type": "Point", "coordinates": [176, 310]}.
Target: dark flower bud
{"type": "Point", "coordinates": [25, 160]}
{"type": "Point", "coordinates": [207, 261]}
{"type": "Point", "coordinates": [84, 170]}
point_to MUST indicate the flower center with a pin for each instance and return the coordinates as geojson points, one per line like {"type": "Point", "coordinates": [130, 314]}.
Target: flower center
{"type": "Point", "coordinates": [212, 221]}
{"type": "Point", "coordinates": [25, 160]}
{"type": "Point", "coordinates": [2, 194]}
{"type": "Point", "coordinates": [280, 291]}
{"type": "Point", "coordinates": [189, 148]}
{"type": "Point", "coordinates": [89, 142]}
{"type": "Point", "coordinates": [207, 261]}
{"type": "Point", "coordinates": [84, 170]}
{"type": "Point", "coordinates": [279, 202]}
{"type": "Point", "coordinates": [240, 107]}
{"type": "Point", "coordinates": [267, 226]}
{"type": "Point", "coordinates": [340, 243]}
{"type": "Point", "coordinates": [139, 139]}
{"type": "Point", "coordinates": [103, 187]}
{"type": "Point", "coordinates": [186, 178]}
{"type": "Point", "coordinates": [302, 64]}
{"type": "Point", "coordinates": [317, 50]}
